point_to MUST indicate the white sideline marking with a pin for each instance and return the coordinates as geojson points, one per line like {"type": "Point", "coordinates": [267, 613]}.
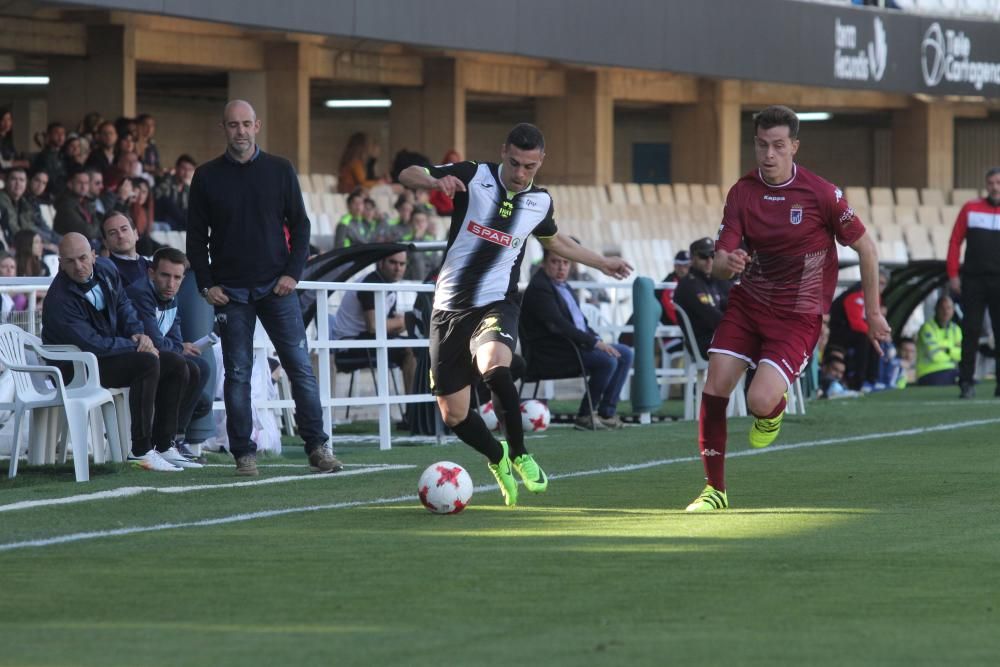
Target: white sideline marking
{"type": "Point", "coordinates": [127, 491]}
{"type": "Point", "coordinates": [236, 518]}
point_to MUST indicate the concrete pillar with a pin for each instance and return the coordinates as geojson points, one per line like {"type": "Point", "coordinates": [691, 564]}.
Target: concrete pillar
{"type": "Point", "coordinates": [30, 117]}
{"type": "Point", "coordinates": [706, 136]}
{"type": "Point", "coordinates": [442, 108]}
{"type": "Point", "coordinates": [104, 81]}
{"type": "Point", "coordinates": [579, 131]}
{"type": "Point", "coordinates": [923, 145]}
{"type": "Point", "coordinates": [287, 86]}
{"type": "Point", "coordinates": [252, 87]}
{"type": "Point", "coordinates": [406, 123]}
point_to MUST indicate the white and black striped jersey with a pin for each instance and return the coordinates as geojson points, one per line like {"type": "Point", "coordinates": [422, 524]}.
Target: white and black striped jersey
{"type": "Point", "coordinates": [486, 242]}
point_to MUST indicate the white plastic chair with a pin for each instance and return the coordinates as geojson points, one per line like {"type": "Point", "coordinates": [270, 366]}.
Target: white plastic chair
{"type": "Point", "coordinates": [77, 399]}
{"type": "Point", "coordinates": [696, 370]}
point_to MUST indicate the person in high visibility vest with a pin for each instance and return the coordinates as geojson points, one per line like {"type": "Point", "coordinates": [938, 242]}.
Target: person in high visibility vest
{"type": "Point", "coordinates": [939, 347]}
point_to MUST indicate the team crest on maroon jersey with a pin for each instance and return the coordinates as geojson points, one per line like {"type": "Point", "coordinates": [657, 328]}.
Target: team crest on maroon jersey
{"type": "Point", "coordinates": [796, 214]}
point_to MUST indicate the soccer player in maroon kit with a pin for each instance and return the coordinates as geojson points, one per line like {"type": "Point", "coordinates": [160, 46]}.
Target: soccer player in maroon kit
{"type": "Point", "coordinates": [788, 218]}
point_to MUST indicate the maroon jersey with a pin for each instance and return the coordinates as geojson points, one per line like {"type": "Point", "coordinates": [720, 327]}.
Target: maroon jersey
{"type": "Point", "coordinates": [789, 230]}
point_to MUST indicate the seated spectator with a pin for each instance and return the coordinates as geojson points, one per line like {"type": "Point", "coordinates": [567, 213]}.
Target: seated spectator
{"type": "Point", "coordinates": [125, 167]}
{"type": "Point", "coordinates": [154, 299]}
{"type": "Point", "coordinates": [682, 265]}
{"type": "Point", "coordinates": [75, 211]}
{"type": "Point", "coordinates": [849, 332]}
{"type": "Point", "coordinates": [104, 201]}
{"type": "Point", "coordinates": [551, 321]}
{"type": "Point", "coordinates": [419, 261]}
{"type": "Point", "coordinates": [171, 195]}
{"type": "Point", "coordinates": [49, 159]}
{"type": "Point", "coordinates": [698, 294]}
{"type": "Point", "coordinates": [907, 360]}
{"type": "Point", "coordinates": [38, 187]}
{"type": "Point", "coordinates": [355, 320]}
{"type": "Point", "coordinates": [939, 346]}
{"type": "Point", "coordinates": [120, 238]}
{"type": "Point", "coordinates": [102, 150]}
{"type": "Point", "coordinates": [16, 209]}
{"type": "Point", "coordinates": [354, 228]}
{"type": "Point", "coordinates": [11, 302]}
{"type": "Point", "coordinates": [149, 153]}
{"type": "Point", "coordinates": [141, 209]}
{"type": "Point", "coordinates": [87, 306]}
{"type": "Point", "coordinates": [28, 249]}
{"type": "Point", "coordinates": [9, 155]}
{"type": "Point", "coordinates": [352, 173]}
{"type": "Point", "coordinates": [831, 374]}
{"type": "Point", "coordinates": [72, 154]}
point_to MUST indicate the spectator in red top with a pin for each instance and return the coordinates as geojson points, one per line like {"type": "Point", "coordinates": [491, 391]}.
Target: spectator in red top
{"type": "Point", "coordinates": [849, 332]}
{"type": "Point", "coordinates": [682, 265]}
{"type": "Point", "coordinates": [978, 282]}
{"type": "Point", "coordinates": [441, 202]}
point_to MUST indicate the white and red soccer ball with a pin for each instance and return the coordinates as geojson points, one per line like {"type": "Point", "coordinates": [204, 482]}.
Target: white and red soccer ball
{"type": "Point", "coordinates": [535, 416]}
{"type": "Point", "coordinates": [489, 416]}
{"type": "Point", "coordinates": [445, 488]}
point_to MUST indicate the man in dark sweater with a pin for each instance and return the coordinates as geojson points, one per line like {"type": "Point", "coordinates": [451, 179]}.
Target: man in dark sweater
{"type": "Point", "coordinates": [248, 240]}
{"type": "Point", "coordinates": [120, 236]}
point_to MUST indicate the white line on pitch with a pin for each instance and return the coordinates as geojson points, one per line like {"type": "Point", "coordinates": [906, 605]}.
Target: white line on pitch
{"type": "Point", "coordinates": [126, 491]}
{"type": "Point", "coordinates": [237, 518]}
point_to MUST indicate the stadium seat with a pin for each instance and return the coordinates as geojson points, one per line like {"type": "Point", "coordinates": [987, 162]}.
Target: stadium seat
{"type": "Point", "coordinates": [904, 214]}
{"type": "Point", "coordinates": [918, 242]}
{"type": "Point", "coordinates": [932, 197]}
{"type": "Point", "coordinates": [697, 194]}
{"type": "Point", "coordinates": [713, 195]}
{"type": "Point", "coordinates": [616, 193]}
{"type": "Point", "coordinates": [666, 193]}
{"type": "Point", "coordinates": [907, 197]}
{"type": "Point", "coordinates": [305, 183]}
{"type": "Point", "coordinates": [959, 196]}
{"type": "Point", "coordinates": [682, 195]}
{"type": "Point", "coordinates": [882, 215]}
{"type": "Point", "coordinates": [857, 196]}
{"type": "Point", "coordinates": [949, 214]}
{"type": "Point", "coordinates": [633, 194]}
{"type": "Point", "coordinates": [649, 193]}
{"type": "Point", "coordinates": [882, 197]}
{"type": "Point", "coordinates": [940, 238]}
{"type": "Point", "coordinates": [929, 216]}
{"type": "Point", "coordinates": [696, 369]}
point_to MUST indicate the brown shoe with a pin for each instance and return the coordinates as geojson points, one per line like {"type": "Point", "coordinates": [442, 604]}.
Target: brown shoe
{"type": "Point", "coordinates": [246, 465]}
{"type": "Point", "coordinates": [588, 423]}
{"type": "Point", "coordinates": [614, 421]}
{"type": "Point", "coordinates": [322, 459]}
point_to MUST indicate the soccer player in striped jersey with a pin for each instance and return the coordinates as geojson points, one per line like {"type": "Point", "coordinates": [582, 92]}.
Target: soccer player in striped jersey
{"type": "Point", "coordinates": [476, 307]}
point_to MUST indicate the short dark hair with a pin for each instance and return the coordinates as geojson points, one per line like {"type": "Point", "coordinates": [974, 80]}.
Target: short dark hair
{"type": "Point", "coordinates": [14, 170]}
{"type": "Point", "coordinates": [527, 137]}
{"type": "Point", "coordinates": [93, 169]}
{"type": "Point", "coordinates": [184, 157]}
{"type": "Point", "coordinates": [992, 171]}
{"type": "Point", "coordinates": [143, 116]}
{"type": "Point", "coordinates": [355, 194]}
{"type": "Point", "coordinates": [53, 125]}
{"type": "Point", "coordinates": [168, 254]}
{"type": "Point", "coordinates": [776, 116]}
{"type": "Point", "coordinates": [115, 214]}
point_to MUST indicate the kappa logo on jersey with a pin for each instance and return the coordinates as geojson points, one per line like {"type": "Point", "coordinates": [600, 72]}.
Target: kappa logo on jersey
{"type": "Point", "coordinates": [838, 193]}
{"type": "Point", "coordinates": [773, 198]}
{"type": "Point", "coordinates": [493, 235]}
{"type": "Point", "coordinates": [796, 214]}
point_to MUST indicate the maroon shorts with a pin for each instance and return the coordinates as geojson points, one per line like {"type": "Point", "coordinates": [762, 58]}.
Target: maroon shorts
{"type": "Point", "coordinates": [760, 335]}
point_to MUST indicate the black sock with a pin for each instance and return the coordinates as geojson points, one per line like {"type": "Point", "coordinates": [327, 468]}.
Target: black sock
{"type": "Point", "coordinates": [473, 432]}
{"type": "Point", "coordinates": [507, 405]}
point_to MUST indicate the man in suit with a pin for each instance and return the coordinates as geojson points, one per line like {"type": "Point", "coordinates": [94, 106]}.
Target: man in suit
{"type": "Point", "coordinates": [551, 321]}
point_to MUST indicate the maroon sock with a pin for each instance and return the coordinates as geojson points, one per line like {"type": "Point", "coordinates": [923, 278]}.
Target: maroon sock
{"type": "Point", "coordinates": [778, 409]}
{"type": "Point", "coordinates": [712, 438]}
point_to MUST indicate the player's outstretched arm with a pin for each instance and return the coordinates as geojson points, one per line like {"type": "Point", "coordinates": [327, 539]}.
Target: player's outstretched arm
{"type": "Point", "coordinates": [878, 327]}
{"type": "Point", "coordinates": [564, 246]}
{"type": "Point", "coordinates": [417, 178]}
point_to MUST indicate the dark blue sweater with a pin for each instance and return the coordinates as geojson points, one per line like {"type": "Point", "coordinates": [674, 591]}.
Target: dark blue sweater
{"type": "Point", "coordinates": [147, 302]}
{"type": "Point", "coordinates": [69, 318]}
{"type": "Point", "coordinates": [249, 220]}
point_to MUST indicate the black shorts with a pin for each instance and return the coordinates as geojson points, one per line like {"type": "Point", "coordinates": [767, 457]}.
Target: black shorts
{"type": "Point", "coordinates": [456, 336]}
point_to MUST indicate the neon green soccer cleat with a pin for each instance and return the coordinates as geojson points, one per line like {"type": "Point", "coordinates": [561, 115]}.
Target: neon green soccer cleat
{"type": "Point", "coordinates": [534, 478]}
{"type": "Point", "coordinates": [710, 500]}
{"type": "Point", "coordinates": [505, 477]}
{"type": "Point", "coordinates": [764, 431]}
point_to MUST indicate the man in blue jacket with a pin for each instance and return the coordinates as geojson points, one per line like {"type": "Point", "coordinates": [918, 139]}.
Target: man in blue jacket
{"type": "Point", "coordinates": [154, 299]}
{"type": "Point", "coordinates": [86, 306]}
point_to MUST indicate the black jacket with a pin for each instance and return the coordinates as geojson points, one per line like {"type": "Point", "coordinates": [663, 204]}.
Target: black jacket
{"type": "Point", "coordinates": [545, 326]}
{"type": "Point", "coordinates": [699, 295]}
{"type": "Point", "coordinates": [69, 318]}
